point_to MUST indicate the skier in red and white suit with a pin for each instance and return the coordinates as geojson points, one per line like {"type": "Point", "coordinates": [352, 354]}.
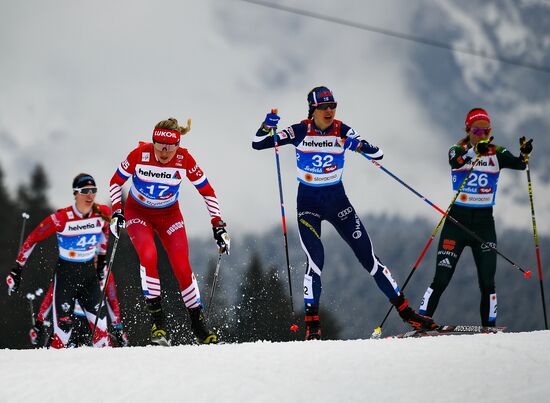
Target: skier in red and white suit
{"type": "Point", "coordinates": [82, 231]}
{"type": "Point", "coordinates": [157, 170]}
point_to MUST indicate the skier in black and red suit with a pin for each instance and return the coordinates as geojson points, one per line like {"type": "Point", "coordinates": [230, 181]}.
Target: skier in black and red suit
{"type": "Point", "coordinates": [82, 231]}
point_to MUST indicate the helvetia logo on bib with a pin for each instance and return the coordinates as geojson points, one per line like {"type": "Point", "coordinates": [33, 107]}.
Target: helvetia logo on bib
{"type": "Point", "coordinates": [159, 175]}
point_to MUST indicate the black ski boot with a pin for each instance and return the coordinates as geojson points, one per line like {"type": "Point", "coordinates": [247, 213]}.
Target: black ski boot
{"type": "Point", "coordinates": [417, 321]}
{"type": "Point", "coordinates": [198, 325]}
{"type": "Point", "coordinates": [313, 325]}
{"type": "Point", "coordinates": [159, 335]}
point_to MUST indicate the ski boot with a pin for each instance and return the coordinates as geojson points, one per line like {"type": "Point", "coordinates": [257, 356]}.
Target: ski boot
{"type": "Point", "coordinates": [313, 325]}
{"type": "Point", "coordinates": [120, 336]}
{"type": "Point", "coordinates": [159, 335]}
{"type": "Point", "coordinates": [417, 321]}
{"type": "Point", "coordinates": [198, 325]}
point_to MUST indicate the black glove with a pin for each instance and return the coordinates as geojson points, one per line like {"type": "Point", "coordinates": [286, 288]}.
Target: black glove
{"type": "Point", "coordinates": [121, 336]}
{"type": "Point", "coordinates": [118, 222]}
{"type": "Point", "coordinates": [36, 333]}
{"type": "Point", "coordinates": [525, 146]}
{"type": "Point", "coordinates": [14, 279]}
{"type": "Point", "coordinates": [482, 146]}
{"type": "Point", "coordinates": [100, 266]}
{"type": "Point", "coordinates": [221, 236]}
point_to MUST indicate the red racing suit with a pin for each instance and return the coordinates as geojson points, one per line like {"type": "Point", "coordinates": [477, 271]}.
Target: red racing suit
{"type": "Point", "coordinates": [152, 206]}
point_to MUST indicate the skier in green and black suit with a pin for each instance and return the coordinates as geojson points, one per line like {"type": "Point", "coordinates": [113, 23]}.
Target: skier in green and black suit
{"type": "Point", "coordinates": [474, 209]}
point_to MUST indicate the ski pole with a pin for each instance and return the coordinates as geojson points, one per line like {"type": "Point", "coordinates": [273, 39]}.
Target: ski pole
{"type": "Point", "coordinates": [214, 283]}
{"type": "Point", "coordinates": [536, 238]}
{"type": "Point", "coordinates": [293, 327]}
{"type": "Point", "coordinates": [526, 273]}
{"type": "Point", "coordinates": [30, 298]}
{"type": "Point", "coordinates": [104, 291]}
{"type": "Point", "coordinates": [22, 235]}
{"type": "Point", "coordinates": [377, 333]}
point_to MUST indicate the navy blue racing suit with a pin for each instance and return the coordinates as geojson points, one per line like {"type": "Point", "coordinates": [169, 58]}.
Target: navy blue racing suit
{"type": "Point", "coordinates": [321, 196]}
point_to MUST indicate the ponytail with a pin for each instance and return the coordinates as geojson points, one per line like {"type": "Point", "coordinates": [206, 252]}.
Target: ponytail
{"type": "Point", "coordinates": [96, 209]}
{"type": "Point", "coordinates": [172, 124]}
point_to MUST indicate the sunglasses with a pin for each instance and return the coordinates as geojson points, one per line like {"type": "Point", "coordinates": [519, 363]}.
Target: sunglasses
{"type": "Point", "coordinates": [165, 147]}
{"type": "Point", "coordinates": [324, 107]}
{"type": "Point", "coordinates": [478, 131]}
{"type": "Point", "coordinates": [86, 191]}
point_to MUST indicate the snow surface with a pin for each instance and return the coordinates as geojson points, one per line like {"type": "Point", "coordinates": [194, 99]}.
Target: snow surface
{"type": "Point", "coordinates": [481, 368]}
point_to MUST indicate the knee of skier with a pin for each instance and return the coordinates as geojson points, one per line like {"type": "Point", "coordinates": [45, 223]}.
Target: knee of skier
{"type": "Point", "coordinates": [441, 281]}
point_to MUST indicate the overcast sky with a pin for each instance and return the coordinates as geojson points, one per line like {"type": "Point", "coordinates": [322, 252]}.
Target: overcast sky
{"type": "Point", "coordinates": [82, 82]}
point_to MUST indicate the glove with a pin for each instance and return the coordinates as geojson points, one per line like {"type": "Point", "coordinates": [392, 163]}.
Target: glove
{"type": "Point", "coordinates": [222, 237]}
{"type": "Point", "coordinates": [352, 144]}
{"type": "Point", "coordinates": [525, 146]}
{"type": "Point", "coordinates": [14, 279]}
{"type": "Point", "coordinates": [482, 146]}
{"type": "Point", "coordinates": [36, 333]}
{"type": "Point", "coordinates": [100, 266]}
{"type": "Point", "coordinates": [118, 222]}
{"type": "Point", "coordinates": [121, 336]}
{"type": "Point", "coordinates": [271, 120]}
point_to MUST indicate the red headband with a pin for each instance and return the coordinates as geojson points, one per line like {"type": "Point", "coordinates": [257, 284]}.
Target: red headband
{"type": "Point", "coordinates": [475, 115]}
{"type": "Point", "coordinates": [166, 136]}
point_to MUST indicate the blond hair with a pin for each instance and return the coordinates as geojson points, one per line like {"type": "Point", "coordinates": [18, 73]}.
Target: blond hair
{"type": "Point", "coordinates": [96, 209]}
{"type": "Point", "coordinates": [172, 124]}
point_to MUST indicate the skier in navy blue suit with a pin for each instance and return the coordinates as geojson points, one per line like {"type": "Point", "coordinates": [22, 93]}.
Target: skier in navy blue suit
{"type": "Point", "coordinates": [320, 143]}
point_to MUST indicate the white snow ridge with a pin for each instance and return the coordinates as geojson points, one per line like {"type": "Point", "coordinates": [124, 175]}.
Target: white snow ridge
{"type": "Point", "coordinates": [506, 367]}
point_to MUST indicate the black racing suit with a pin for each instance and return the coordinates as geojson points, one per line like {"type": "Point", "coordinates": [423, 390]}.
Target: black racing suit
{"type": "Point", "coordinates": [477, 216]}
{"type": "Point", "coordinates": [76, 281]}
